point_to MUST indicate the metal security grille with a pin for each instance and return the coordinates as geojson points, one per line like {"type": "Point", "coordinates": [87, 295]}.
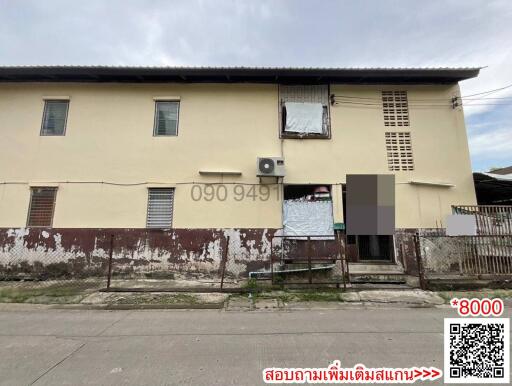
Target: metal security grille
{"type": "Point", "coordinates": [160, 206]}
{"type": "Point", "coordinates": [54, 117]}
{"type": "Point", "coordinates": [307, 94]}
{"type": "Point", "coordinates": [399, 151]}
{"type": "Point", "coordinates": [42, 204]}
{"type": "Point", "coordinates": [395, 108]}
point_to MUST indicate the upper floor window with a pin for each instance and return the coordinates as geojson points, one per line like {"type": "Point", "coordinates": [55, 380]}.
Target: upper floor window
{"type": "Point", "coordinates": [42, 205]}
{"type": "Point", "coordinates": [54, 117]}
{"type": "Point", "coordinates": [304, 111]}
{"type": "Point", "coordinates": [166, 118]}
{"type": "Point", "coordinates": [395, 108]}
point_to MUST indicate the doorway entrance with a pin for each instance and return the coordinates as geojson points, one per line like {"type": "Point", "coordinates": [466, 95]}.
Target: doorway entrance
{"type": "Point", "coordinates": [367, 248]}
{"type": "Point", "coordinates": [375, 247]}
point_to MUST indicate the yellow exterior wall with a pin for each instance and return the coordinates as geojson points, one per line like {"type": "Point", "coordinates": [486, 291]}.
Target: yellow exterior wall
{"type": "Point", "coordinates": [109, 138]}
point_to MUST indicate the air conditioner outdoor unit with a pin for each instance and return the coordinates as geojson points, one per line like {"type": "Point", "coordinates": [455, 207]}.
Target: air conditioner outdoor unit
{"type": "Point", "coordinates": [270, 167]}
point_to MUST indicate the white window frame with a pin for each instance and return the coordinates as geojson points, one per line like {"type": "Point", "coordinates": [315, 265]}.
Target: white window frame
{"type": "Point", "coordinates": [155, 122]}
{"type": "Point", "coordinates": [45, 112]}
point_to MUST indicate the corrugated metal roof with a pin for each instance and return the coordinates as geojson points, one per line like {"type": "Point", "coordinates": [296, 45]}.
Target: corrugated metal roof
{"type": "Point", "coordinates": [493, 189]}
{"type": "Point", "coordinates": [503, 171]}
{"type": "Point", "coordinates": [154, 74]}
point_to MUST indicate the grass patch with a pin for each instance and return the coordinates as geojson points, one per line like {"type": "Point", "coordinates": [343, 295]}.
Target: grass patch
{"type": "Point", "coordinates": [160, 275]}
{"type": "Point", "coordinates": [287, 296]}
{"type": "Point", "coordinates": [251, 284]}
{"type": "Point", "coordinates": [44, 295]}
{"type": "Point", "coordinates": [157, 299]}
{"type": "Point", "coordinates": [319, 296]}
{"type": "Point", "coordinates": [479, 294]}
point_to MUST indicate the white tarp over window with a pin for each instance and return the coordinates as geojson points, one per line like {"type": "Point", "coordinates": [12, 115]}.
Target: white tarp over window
{"type": "Point", "coordinates": [304, 117]}
{"type": "Point", "coordinates": [307, 218]}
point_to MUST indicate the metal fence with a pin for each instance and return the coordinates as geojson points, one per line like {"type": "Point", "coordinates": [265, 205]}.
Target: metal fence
{"type": "Point", "coordinates": [50, 272]}
{"type": "Point", "coordinates": [303, 261]}
{"type": "Point", "coordinates": [299, 261]}
{"type": "Point", "coordinates": [171, 274]}
{"type": "Point", "coordinates": [490, 219]}
{"type": "Point", "coordinates": [119, 262]}
{"type": "Point", "coordinates": [482, 255]}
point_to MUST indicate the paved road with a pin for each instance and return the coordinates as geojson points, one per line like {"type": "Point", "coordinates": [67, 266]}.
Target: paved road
{"type": "Point", "coordinates": [205, 347]}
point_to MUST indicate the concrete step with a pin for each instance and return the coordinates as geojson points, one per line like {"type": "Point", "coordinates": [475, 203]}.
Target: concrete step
{"type": "Point", "coordinates": [374, 268]}
{"type": "Point", "coordinates": [373, 272]}
{"type": "Point", "coordinates": [379, 286]}
{"type": "Point", "coordinates": [394, 278]}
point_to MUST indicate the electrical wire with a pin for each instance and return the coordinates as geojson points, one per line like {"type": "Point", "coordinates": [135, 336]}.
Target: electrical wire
{"type": "Point", "coordinates": [428, 102]}
{"type": "Point", "coordinates": [485, 98]}
{"type": "Point", "coordinates": [488, 104]}
{"type": "Point", "coordinates": [379, 105]}
{"type": "Point", "coordinates": [488, 92]}
{"type": "Point", "coordinates": [380, 99]}
{"type": "Point", "coordinates": [469, 102]}
{"type": "Point", "coordinates": [164, 183]}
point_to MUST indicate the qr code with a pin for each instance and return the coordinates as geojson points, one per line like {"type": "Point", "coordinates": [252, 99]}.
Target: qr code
{"type": "Point", "coordinates": [476, 350]}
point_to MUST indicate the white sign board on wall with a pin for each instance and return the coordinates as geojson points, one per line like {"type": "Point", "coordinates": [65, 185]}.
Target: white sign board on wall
{"type": "Point", "coordinates": [461, 225]}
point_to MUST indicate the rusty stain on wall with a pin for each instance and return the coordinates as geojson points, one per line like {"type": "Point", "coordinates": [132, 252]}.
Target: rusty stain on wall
{"type": "Point", "coordinates": [405, 249]}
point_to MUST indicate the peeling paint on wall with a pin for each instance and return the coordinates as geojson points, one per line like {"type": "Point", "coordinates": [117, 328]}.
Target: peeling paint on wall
{"type": "Point", "coordinates": [136, 250]}
{"type": "Point", "coordinates": [405, 248]}
{"type": "Point", "coordinates": [85, 251]}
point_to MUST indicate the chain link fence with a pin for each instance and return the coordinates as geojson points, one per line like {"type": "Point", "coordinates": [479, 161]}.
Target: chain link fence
{"type": "Point", "coordinates": [465, 256]}
{"type": "Point", "coordinates": [299, 261]}
{"type": "Point", "coordinates": [69, 261]}
{"type": "Point", "coordinates": [222, 269]}
{"type": "Point", "coordinates": [50, 273]}
{"type": "Point", "coordinates": [306, 261]}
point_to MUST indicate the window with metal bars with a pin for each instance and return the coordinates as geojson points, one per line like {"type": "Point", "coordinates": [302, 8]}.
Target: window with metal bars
{"type": "Point", "coordinates": [42, 205]}
{"type": "Point", "coordinates": [166, 118]}
{"type": "Point", "coordinates": [55, 116]}
{"type": "Point", "coordinates": [160, 207]}
{"type": "Point", "coordinates": [399, 151]}
{"type": "Point", "coordinates": [395, 108]}
{"type": "Point", "coordinates": [305, 94]}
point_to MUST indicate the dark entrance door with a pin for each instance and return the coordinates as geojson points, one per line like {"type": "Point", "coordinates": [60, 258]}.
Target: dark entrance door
{"type": "Point", "coordinates": [366, 247]}
{"type": "Point", "coordinates": [375, 247]}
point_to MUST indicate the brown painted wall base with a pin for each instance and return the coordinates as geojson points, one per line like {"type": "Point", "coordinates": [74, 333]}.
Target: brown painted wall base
{"type": "Point", "coordinates": [85, 251]}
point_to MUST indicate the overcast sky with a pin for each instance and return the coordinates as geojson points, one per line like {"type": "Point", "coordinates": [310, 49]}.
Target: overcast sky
{"type": "Point", "coordinates": [282, 33]}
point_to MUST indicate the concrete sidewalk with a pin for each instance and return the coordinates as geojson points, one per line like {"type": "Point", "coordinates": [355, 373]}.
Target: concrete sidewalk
{"type": "Point", "coordinates": [285, 300]}
{"type": "Point", "coordinates": [334, 300]}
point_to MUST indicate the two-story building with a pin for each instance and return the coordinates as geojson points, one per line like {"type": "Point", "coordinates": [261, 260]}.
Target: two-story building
{"type": "Point", "coordinates": [170, 158]}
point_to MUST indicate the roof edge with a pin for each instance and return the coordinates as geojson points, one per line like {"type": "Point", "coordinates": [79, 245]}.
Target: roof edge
{"type": "Point", "coordinates": [68, 73]}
